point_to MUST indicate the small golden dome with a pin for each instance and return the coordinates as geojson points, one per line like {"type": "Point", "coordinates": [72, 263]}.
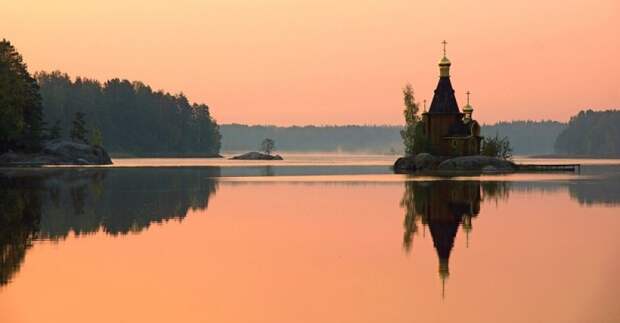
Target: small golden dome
{"type": "Point", "coordinates": [468, 108]}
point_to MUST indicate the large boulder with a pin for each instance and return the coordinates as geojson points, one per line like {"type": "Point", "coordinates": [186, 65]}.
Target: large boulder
{"type": "Point", "coordinates": [76, 153]}
{"type": "Point", "coordinates": [419, 162]}
{"type": "Point", "coordinates": [426, 161]}
{"type": "Point", "coordinates": [254, 155]}
{"type": "Point", "coordinates": [477, 163]}
{"type": "Point", "coordinates": [59, 152]}
{"type": "Point", "coordinates": [404, 165]}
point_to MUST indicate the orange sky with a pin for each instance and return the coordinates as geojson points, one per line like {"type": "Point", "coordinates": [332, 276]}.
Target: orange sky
{"type": "Point", "coordinates": [334, 62]}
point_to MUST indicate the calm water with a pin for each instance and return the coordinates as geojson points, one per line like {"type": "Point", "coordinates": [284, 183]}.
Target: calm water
{"type": "Point", "coordinates": [340, 241]}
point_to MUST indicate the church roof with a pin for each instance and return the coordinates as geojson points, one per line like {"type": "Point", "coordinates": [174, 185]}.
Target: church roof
{"type": "Point", "coordinates": [444, 100]}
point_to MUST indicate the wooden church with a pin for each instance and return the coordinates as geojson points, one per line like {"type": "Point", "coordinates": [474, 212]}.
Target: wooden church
{"type": "Point", "coordinates": [449, 131]}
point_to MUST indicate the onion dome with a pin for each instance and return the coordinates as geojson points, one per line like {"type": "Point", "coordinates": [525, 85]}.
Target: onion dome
{"type": "Point", "coordinates": [444, 61]}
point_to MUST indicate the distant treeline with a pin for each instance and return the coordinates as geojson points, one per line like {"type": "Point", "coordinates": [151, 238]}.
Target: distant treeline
{"type": "Point", "coordinates": [595, 133]}
{"type": "Point", "coordinates": [131, 117]}
{"type": "Point", "coordinates": [377, 139]}
{"type": "Point", "coordinates": [526, 137]}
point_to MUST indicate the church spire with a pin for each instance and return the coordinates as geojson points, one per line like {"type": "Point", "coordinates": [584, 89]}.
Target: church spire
{"type": "Point", "coordinates": [444, 101]}
{"type": "Point", "coordinates": [444, 63]}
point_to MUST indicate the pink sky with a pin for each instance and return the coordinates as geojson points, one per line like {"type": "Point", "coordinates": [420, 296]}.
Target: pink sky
{"type": "Point", "coordinates": [334, 62]}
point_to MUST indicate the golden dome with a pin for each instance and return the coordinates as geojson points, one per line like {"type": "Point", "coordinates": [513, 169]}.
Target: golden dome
{"type": "Point", "coordinates": [444, 61]}
{"type": "Point", "coordinates": [468, 109]}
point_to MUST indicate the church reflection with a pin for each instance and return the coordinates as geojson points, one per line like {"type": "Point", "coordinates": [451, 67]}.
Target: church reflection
{"type": "Point", "coordinates": [443, 207]}
{"type": "Point", "coordinates": [52, 204]}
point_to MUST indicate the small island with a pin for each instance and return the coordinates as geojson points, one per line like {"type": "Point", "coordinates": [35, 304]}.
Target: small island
{"type": "Point", "coordinates": [267, 146]}
{"type": "Point", "coordinates": [446, 139]}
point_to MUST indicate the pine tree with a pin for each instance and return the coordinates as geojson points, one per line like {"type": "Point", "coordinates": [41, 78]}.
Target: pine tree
{"type": "Point", "coordinates": [79, 132]}
{"type": "Point", "coordinates": [96, 138]}
{"type": "Point", "coordinates": [267, 145]}
{"type": "Point", "coordinates": [21, 111]}
{"type": "Point", "coordinates": [56, 131]}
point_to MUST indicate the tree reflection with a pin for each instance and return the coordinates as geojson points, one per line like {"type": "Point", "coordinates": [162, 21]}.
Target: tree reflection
{"type": "Point", "coordinates": [50, 204]}
{"type": "Point", "coordinates": [19, 222]}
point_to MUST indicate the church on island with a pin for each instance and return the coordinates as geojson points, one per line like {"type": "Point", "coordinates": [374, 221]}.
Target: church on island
{"type": "Point", "coordinates": [450, 131]}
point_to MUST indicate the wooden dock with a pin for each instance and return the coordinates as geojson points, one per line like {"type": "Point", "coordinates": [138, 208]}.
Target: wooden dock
{"type": "Point", "coordinates": [549, 168]}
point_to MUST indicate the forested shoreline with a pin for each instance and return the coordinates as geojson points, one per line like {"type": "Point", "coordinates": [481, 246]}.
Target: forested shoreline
{"type": "Point", "coordinates": [124, 116]}
{"type": "Point", "coordinates": [132, 118]}
{"type": "Point", "coordinates": [21, 111]}
{"type": "Point", "coordinates": [591, 133]}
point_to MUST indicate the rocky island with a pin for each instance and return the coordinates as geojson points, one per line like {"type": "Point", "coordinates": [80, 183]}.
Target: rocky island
{"type": "Point", "coordinates": [254, 155]}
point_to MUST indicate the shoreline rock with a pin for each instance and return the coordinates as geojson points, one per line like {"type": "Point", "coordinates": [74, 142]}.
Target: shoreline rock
{"type": "Point", "coordinates": [59, 152]}
{"type": "Point", "coordinates": [254, 155]}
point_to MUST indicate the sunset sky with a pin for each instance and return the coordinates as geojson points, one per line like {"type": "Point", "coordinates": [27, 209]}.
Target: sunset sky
{"type": "Point", "coordinates": [334, 62]}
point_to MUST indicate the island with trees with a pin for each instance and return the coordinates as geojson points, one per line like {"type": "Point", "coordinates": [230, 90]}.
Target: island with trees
{"type": "Point", "coordinates": [446, 138]}
{"type": "Point", "coordinates": [266, 148]}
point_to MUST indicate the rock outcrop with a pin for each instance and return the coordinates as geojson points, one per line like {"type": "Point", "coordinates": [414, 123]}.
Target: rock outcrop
{"type": "Point", "coordinates": [59, 152]}
{"type": "Point", "coordinates": [427, 163]}
{"type": "Point", "coordinates": [419, 162]}
{"type": "Point", "coordinates": [254, 155]}
{"type": "Point", "coordinates": [477, 163]}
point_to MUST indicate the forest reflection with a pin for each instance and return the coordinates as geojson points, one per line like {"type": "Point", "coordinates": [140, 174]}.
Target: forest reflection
{"type": "Point", "coordinates": [50, 204]}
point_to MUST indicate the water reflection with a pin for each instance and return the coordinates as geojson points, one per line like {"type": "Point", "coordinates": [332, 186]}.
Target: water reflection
{"type": "Point", "coordinates": [443, 207]}
{"type": "Point", "coordinates": [20, 214]}
{"type": "Point", "coordinates": [51, 204]}
{"type": "Point", "coordinates": [594, 192]}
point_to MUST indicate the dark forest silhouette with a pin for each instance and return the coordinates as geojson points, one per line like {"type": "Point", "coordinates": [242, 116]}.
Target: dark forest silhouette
{"type": "Point", "coordinates": [131, 117]}
{"type": "Point", "coordinates": [21, 112]}
{"type": "Point", "coordinates": [590, 132]}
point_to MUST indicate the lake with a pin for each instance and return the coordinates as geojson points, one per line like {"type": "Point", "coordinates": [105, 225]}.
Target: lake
{"type": "Point", "coordinates": [331, 238]}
